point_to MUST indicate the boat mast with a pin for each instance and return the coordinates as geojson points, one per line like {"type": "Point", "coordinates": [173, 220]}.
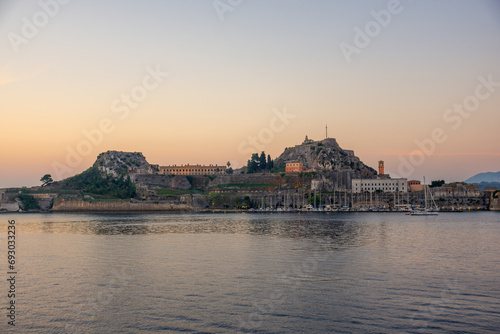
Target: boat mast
{"type": "Point", "coordinates": [425, 193]}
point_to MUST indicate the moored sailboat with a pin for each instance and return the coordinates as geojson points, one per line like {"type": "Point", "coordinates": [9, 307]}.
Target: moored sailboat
{"type": "Point", "coordinates": [427, 211]}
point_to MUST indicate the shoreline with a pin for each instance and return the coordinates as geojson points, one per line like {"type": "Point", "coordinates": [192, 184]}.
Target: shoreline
{"type": "Point", "coordinates": [225, 211]}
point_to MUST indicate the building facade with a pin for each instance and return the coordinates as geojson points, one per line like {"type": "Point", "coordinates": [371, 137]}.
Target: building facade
{"type": "Point", "coordinates": [192, 170]}
{"type": "Point", "coordinates": [386, 185]}
{"type": "Point", "coordinates": [415, 185]}
{"type": "Point", "coordinates": [294, 167]}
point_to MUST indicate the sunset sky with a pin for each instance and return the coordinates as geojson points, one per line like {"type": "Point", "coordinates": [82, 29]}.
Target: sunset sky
{"type": "Point", "coordinates": [191, 81]}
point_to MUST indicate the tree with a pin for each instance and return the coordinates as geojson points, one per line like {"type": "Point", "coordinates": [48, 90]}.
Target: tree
{"type": "Point", "coordinates": [252, 166]}
{"type": "Point", "coordinates": [253, 163]}
{"type": "Point", "coordinates": [28, 202]}
{"type": "Point", "coordinates": [255, 157]}
{"type": "Point", "coordinates": [229, 169]}
{"type": "Point", "coordinates": [237, 202]}
{"type": "Point", "coordinates": [270, 162]}
{"type": "Point", "coordinates": [262, 161]}
{"type": "Point", "coordinates": [259, 163]}
{"type": "Point", "coordinates": [436, 184]}
{"type": "Point", "coordinates": [46, 180]}
{"type": "Point", "coordinates": [247, 203]}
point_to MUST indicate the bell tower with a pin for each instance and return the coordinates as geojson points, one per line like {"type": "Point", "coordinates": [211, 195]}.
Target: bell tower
{"type": "Point", "coordinates": [380, 167]}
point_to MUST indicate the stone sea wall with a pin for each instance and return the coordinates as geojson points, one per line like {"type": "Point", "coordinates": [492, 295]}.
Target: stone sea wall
{"type": "Point", "coordinates": [9, 206]}
{"type": "Point", "coordinates": [64, 205]}
{"type": "Point", "coordinates": [164, 181]}
{"type": "Point", "coordinates": [329, 180]}
{"type": "Point", "coordinates": [495, 204]}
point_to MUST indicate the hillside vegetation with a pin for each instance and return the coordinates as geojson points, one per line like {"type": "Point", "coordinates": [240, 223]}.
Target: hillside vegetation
{"type": "Point", "coordinates": [94, 182]}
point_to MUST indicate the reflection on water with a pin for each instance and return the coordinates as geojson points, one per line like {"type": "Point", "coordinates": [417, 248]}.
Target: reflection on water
{"type": "Point", "coordinates": [257, 273]}
{"type": "Point", "coordinates": [339, 228]}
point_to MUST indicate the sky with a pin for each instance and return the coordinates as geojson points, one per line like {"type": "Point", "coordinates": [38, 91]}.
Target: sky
{"type": "Point", "coordinates": [413, 83]}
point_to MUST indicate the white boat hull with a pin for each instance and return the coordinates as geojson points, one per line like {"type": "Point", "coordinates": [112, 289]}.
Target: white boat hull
{"type": "Point", "coordinates": [423, 213]}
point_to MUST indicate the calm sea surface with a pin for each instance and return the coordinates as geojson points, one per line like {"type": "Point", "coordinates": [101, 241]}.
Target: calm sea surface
{"type": "Point", "coordinates": [254, 273]}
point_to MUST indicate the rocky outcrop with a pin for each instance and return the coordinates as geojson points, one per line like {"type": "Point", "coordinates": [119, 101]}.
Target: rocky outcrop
{"type": "Point", "coordinates": [325, 155]}
{"type": "Point", "coordinates": [331, 181]}
{"type": "Point", "coordinates": [119, 163]}
{"type": "Point", "coordinates": [63, 205]}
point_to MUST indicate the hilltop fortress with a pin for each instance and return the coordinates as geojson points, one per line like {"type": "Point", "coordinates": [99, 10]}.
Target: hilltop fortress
{"type": "Point", "coordinates": [325, 155]}
{"type": "Point", "coordinates": [314, 156]}
{"type": "Point", "coordinates": [308, 174]}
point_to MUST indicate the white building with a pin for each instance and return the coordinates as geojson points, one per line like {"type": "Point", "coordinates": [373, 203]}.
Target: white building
{"type": "Point", "coordinates": [386, 185]}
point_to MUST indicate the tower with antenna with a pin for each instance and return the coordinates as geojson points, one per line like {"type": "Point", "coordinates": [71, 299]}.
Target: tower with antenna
{"type": "Point", "coordinates": [326, 131]}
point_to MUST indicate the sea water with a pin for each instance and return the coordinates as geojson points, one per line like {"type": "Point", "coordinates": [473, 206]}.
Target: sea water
{"type": "Point", "coordinates": [253, 273]}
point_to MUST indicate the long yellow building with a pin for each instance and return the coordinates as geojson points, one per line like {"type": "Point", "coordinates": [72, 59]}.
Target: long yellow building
{"type": "Point", "coordinates": [192, 170]}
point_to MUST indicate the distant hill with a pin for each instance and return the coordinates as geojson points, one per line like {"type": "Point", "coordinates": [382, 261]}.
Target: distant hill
{"type": "Point", "coordinates": [483, 185]}
{"type": "Point", "coordinates": [484, 177]}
